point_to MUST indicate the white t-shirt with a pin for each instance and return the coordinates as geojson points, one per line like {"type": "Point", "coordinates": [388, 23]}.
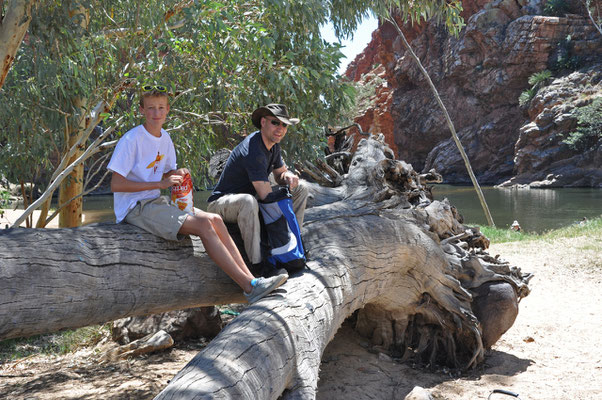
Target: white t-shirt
{"type": "Point", "coordinates": [140, 157]}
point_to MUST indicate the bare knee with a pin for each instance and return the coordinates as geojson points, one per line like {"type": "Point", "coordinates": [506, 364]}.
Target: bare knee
{"type": "Point", "coordinates": [208, 216]}
{"type": "Point", "coordinates": [216, 220]}
{"type": "Point", "coordinates": [202, 224]}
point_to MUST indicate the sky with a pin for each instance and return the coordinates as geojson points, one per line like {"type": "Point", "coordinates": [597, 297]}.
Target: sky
{"type": "Point", "coordinates": [354, 45]}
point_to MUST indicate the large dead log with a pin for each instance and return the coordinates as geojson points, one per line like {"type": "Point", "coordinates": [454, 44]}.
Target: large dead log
{"type": "Point", "coordinates": [423, 283]}
{"type": "Point", "coordinates": [380, 245]}
{"type": "Point", "coordinates": [52, 279]}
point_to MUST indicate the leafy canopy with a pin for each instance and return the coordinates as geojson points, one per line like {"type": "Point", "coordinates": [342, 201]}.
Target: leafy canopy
{"type": "Point", "coordinates": [220, 59]}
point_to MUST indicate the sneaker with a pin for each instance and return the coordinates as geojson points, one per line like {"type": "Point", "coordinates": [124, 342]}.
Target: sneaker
{"type": "Point", "coordinates": [265, 286]}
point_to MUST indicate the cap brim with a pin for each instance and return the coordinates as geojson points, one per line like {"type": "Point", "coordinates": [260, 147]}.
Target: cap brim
{"type": "Point", "coordinates": [288, 121]}
{"type": "Point", "coordinates": [265, 112]}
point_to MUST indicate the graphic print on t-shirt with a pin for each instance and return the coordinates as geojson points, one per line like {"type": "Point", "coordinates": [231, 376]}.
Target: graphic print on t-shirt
{"type": "Point", "coordinates": [155, 164]}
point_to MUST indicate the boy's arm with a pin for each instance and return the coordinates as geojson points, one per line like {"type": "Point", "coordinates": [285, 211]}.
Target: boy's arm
{"type": "Point", "coordinates": [121, 184]}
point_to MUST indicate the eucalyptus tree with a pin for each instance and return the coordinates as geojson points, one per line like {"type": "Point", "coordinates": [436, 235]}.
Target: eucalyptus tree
{"type": "Point", "coordinates": [15, 17]}
{"type": "Point", "coordinates": [60, 74]}
{"type": "Point", "coordinates": [84, 61]}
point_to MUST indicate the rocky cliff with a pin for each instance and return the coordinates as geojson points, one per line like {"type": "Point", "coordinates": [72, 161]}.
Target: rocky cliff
{"type": "Point", "coordinates": [480, 75]}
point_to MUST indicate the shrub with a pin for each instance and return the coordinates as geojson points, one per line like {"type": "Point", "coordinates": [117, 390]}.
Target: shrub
{"type": "Point", "coordinates": [4, 198]}
{"type": "Point", "coordinates": [556, 8]}
{"type": "Point", "coordinates": [589, 126]}
{"type": "Point", "coordinates": [540, 77]}
{"type": "Point", "coordinates": [526, 96]}
{"type": "Point", "coordinates": [536, 80]}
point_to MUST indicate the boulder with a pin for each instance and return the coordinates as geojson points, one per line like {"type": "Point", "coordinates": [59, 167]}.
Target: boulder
{"type": "Point", "coordinates": [182, 324]}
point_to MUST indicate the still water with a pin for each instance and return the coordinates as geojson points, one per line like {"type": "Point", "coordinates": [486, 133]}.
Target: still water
{"type": "Point", "coordinates": [99, 208]}
{"type": "Point", "coordinates": [537, 210]}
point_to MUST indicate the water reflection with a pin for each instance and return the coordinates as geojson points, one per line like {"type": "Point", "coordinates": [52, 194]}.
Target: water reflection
{"type": "Point", "coordinates": [100, 208]}
{"type": "Point", "coordinates": [537, 210]}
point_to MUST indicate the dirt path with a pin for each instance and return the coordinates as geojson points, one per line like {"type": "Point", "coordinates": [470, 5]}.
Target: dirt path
{"type": "Point", "coordinates": [553, 351]}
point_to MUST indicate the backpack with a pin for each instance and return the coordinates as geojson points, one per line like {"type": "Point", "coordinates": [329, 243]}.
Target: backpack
{"type": "Point", "coordinates": [281, 231]}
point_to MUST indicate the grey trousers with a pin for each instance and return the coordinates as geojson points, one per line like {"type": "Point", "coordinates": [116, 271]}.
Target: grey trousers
{"type": "Point", "coordinates": [243, 209]}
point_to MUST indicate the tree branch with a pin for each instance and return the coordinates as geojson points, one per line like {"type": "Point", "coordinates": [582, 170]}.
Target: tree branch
{"type": "Point", "coordinates": [450, 124]}
{"type": "Point", "coordinates": [591, 17]}
{"type": "Point", "coordinates": [13, 27]}
{"type": "Point", "coordinates": [94, 148]}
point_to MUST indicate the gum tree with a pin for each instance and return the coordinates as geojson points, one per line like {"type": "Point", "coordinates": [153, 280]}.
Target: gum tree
{"type": "Point", "coordinates": [15, 17]}
{"type": "Point", "coordinates": [83, 64]}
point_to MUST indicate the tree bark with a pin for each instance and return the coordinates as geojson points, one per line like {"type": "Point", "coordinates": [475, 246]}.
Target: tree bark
{"type": "Point", "coordinates": [71, 215]}
{"type": "Point", "coordinates": [379, 244]}
{"type": "Point", "coordinates": [13, 26]}
{"type": "Point", "coordinates": [51, 279]}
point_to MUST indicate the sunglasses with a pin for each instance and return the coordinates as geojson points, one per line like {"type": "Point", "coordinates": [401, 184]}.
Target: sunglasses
{"type": "Point", "coordinates": [150, 88]}
{"type": "Point", "coordinates": [275, 122]}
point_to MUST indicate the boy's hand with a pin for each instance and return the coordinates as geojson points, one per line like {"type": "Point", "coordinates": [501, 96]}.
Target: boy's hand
{"type": "Point", "coordinates": [173, 177]}
{"type": "Point", "coordinates": [181, 171]}
{"type": "Point", "coordinates": [171, 180]}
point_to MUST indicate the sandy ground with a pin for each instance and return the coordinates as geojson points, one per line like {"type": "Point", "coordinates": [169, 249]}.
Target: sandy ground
{"type": "Point", "coordinates": [553, 351]}
{"type": "Point", "coordinates": [8, 217]}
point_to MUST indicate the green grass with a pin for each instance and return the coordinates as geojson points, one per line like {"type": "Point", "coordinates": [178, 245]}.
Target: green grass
{"type": "Point", "coordinates": [56, 343]}
{"type": "Point", "coordinates": [497, 235]}
{"type": "Point", "coordinates": [591, 228]}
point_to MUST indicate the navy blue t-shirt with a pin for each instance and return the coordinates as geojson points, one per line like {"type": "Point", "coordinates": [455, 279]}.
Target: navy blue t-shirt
{"type": "Point", "coordinates": [249, 161]}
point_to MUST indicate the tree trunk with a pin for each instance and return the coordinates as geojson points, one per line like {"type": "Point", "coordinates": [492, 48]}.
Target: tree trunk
{"type": "Point", "coordinates": [73, 186]}
{"type": "Point", "coordinates": [377, 244]}
{"type": "Point", "coordinates": [51, 279]}
{"type": "Point", "coordinates": [71, 215]}
{"type": "Point", "coordinates": [13, 26]}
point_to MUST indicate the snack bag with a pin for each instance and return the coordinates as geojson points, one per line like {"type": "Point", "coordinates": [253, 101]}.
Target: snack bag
{"type": "Point", "coordinates": [181, 195]}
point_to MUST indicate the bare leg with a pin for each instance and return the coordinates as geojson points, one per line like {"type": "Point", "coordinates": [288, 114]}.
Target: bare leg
{"type": "Point", "coordinates": [225, 255]}
{"type": "Point", "coordinates": [224, 235]}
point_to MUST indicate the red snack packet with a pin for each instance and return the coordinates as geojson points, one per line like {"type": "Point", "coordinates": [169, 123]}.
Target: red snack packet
{"type": "Point", "coordinates": [181, 195]}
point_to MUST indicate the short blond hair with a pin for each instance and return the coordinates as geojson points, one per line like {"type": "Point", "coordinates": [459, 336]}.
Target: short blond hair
{"type": "Point", "coordinates": [152, 93]}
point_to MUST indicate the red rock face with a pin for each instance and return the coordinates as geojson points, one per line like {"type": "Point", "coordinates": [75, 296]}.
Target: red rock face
{"type": "Point", "coordinates": [479, 75]}
{"type": "Point", "coordinates": [375, 59]}
{"type": "Point", "coordinates": [541, 158]}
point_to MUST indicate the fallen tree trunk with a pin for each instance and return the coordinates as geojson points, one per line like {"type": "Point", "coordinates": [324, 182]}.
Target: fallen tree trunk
{"type": "Point", "coordinates": [377, 244]}
{"type": "Point", "coordinates": [51, 279]}
{"type": "Point", "coordinates": [423, 283]}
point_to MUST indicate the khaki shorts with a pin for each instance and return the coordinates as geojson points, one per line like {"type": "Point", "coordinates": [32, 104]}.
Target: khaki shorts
{"type": "Point", "coordinates": [158, 217]}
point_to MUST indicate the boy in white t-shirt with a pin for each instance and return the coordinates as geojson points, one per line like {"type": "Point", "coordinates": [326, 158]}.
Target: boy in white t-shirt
{"type": "Point", "coordinates": [143, 163]}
